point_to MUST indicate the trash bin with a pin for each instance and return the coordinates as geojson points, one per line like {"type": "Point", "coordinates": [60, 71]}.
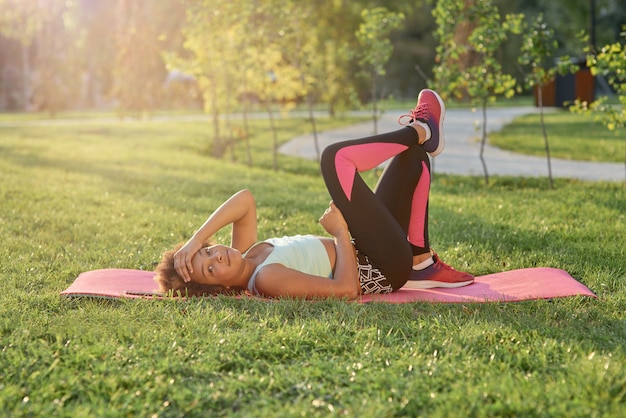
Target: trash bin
{"type": "Point", "coordinates": [562, 90]}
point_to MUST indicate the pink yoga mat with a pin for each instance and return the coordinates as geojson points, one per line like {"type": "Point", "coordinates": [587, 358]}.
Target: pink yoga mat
{"type": "Point", "coordinates": [508, 286]}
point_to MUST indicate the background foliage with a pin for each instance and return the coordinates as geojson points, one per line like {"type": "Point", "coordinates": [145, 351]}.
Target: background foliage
{"type": "Point", "coordinates": [69, 54]}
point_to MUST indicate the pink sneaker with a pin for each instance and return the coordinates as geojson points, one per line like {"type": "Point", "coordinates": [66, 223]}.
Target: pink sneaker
{"type": "Point", "coordinates": [438, 274]}
{"type": "Point", "coordinates": [431, 111]}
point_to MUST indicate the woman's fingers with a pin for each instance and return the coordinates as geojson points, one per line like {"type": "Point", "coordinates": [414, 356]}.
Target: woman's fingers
{"type": "Point", "coordinates": [333, 221]}
{"type": "Point", "coordinates": [188, 269]}
{"type": "Point", "coordinates": [183, 266]}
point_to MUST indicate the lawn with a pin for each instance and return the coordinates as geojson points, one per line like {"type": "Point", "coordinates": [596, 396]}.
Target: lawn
{"type": "Point", "coordinates": [570, 136]}
{"type": "Point", "coordinates": [115, 195]}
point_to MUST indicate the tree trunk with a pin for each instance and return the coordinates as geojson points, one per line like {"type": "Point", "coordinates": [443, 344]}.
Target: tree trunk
{"type": "Point", "coordinates": [545, 134]}
{"type": "Point", "coordinates": [25, 78]}
{"type": "Point", "coordinates": [217, 142]}
{"type": "Point", "coordinates": [246, 132]}
{"type": "Point", "coordinates": [374, 104]}
{"type": "Point", "coordinates": [313, 126]}
{"type": "Point", "coordinates": [483, 141]}
{"type": "Point", "coordinates": [462, 31]}
{"type": "Point", "coordinates": [268, 105]}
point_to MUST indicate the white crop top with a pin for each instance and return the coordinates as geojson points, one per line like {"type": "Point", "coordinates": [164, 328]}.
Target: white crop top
{"type": "Point", "coordinates": [305, 253]}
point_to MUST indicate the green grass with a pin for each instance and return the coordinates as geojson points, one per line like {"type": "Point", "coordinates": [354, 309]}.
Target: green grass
{"type": "Point", "coordinates": [570, 136]}
{"type": "Point", "coordinates": [115, 195]}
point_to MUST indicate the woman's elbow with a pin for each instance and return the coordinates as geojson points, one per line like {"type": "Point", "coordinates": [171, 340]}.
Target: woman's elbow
{"type": "Point", "coordinates": [352, 292]}
{"type": "Point", "coordinates": [246, 194]}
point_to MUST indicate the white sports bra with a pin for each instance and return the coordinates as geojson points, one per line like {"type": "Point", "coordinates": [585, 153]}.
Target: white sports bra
{"type": "Point", "coordinates": [305, 253]}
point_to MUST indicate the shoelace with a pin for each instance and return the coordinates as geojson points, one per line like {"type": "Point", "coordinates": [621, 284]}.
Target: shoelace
{"type": "Point", "coordinates": [420, 112]}
{"type": "Point", "coordinates": [440, 265]}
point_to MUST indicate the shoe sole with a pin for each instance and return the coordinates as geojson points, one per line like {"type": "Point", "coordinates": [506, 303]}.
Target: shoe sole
{"type": "Point", "coordinates": [442, 141]}
{"type": "Point", "coordinates": [430, 284]}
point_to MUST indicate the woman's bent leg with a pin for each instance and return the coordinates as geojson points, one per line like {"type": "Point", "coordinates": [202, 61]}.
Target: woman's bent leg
{"type": "Point", "coordinates": [404, 188]}
{"type": "Point", "coordinates": [376, 230]}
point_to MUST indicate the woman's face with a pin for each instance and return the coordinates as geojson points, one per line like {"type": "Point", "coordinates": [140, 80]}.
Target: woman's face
{"type": "Point", "coordinates": [217, 264]}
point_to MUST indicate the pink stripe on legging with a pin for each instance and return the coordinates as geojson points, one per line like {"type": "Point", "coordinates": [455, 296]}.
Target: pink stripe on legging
{"type": "Point", "coordinates": [362, 157]}
{"type": "Point", "coordinates": [418, 209]}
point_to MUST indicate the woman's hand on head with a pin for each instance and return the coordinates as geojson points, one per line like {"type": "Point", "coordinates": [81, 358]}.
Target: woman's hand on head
{"type": "Point", "coordinates": [333, 221]}
{"type": "Point", "coordinates": [183, 257]}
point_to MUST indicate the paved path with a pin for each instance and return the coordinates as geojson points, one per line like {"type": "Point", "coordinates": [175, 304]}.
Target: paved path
{"type": "Point", "coordinates": [461, 155]}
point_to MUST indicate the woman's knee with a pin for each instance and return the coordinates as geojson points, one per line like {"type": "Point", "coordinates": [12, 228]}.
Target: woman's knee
{"type": "Point", "coordinates": [327, 159]}
{"type": "Point", "coordinates": [328, 153]}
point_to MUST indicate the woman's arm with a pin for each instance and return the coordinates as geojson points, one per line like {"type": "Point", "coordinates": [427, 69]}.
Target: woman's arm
{"type": "Point", "coordinates": [240, 211]}
{"type": "Point", "coordinates": [346, 271]}
{"type": "Point", "coordinates": [277, 280]}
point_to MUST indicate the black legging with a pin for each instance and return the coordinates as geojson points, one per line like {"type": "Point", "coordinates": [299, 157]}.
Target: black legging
{"type": "Point", "coordinates": [389, 225]}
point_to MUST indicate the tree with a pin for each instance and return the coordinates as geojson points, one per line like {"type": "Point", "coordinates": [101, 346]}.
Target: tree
{"type": "Point", "coordinates": [311, 67]}
{"type": "Point", "coordinates": [47, 32]}
{"type": "Point", "coordinates": [470, 34]}
{"type": "Point", "coordinates": [96, 19]}
{"type": "Point", "coordinates": [376, 48]}
{"type": "Point", "coordinates": [303, 51]}
{"type": "Point", "coordinates": [57, 71]}
{"type": "Point", "coordinates": [336, 25]}
{"type": "Point", "coordinates": [278, 80]}
{"type": "Point", "coordinates": [609, 63]}
{"type": "Point", "coordinates": [22, 21]}
{"type": "Point", "coordinates": [538, 46]}
{"type": "Point", "coordinates": [139, 68]}
{"type": "Point", "coordinates": [206, 32]}
{"type": "Point", "coordinates": [238, 49]}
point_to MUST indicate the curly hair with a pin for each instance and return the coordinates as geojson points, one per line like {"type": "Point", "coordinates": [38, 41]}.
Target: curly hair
{"type": "Point", "coordinates": [172, 284]}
